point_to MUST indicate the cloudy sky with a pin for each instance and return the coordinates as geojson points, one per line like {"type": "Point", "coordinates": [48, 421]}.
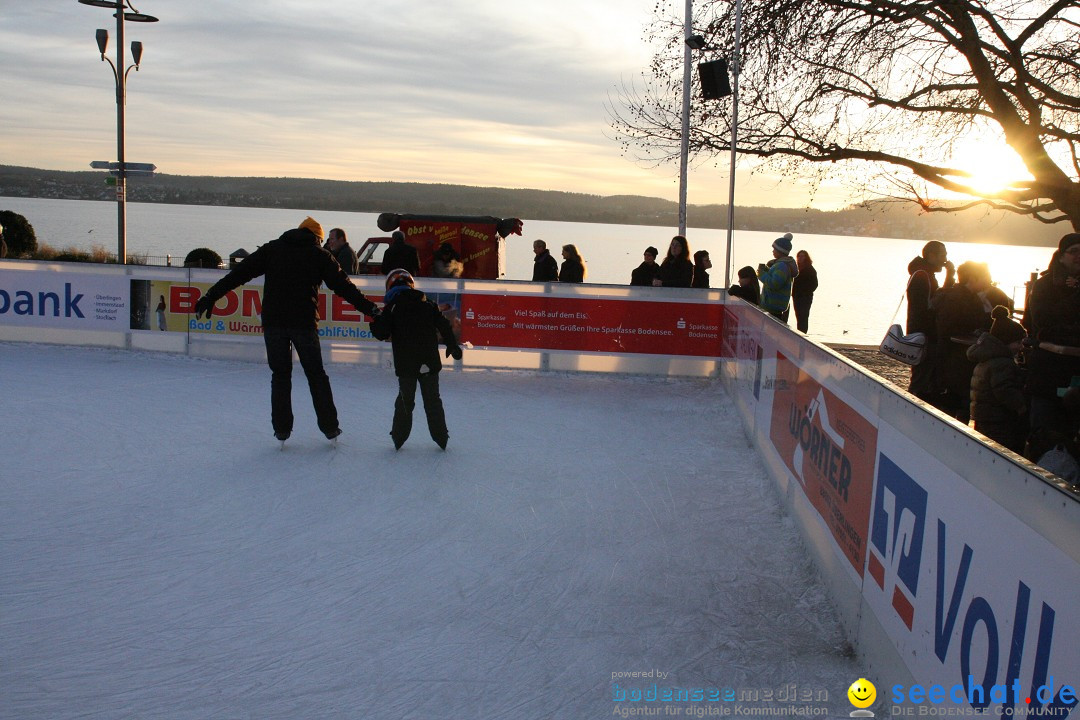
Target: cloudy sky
{"type": "Point", "coordinates": [483, 92]}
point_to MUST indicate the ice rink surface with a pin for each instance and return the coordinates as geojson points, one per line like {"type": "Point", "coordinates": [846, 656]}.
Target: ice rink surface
{"type": "Point", "coordinates": [160, 557]}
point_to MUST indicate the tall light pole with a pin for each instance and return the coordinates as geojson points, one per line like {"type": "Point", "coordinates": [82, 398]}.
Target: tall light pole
{"type": "Point", "coordinates": [684, 151]}
{"type": "Point", "coordinates": [736, 68]}
{"type": "Point", "coordinates": [120, 75]}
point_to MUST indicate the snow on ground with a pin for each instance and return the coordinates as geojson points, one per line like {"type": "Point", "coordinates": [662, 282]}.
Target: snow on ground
{"type": "Point", "coordinates": [161, 558]}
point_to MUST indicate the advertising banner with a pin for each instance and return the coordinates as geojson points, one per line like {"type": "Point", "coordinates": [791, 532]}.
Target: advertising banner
{"type": "Point", "coordinates": [830, 448]}
{"type": "Point", "coordinates": [593, 324]}
{"type": "Point", "coordinates": [992, 621]}
{"type": "Point", "coordinates": [476, 242]}
{"type": "Point", "coordinates": [69, 301]}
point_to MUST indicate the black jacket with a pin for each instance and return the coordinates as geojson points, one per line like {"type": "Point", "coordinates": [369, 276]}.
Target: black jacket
{"type": "Point", "coordinates": [413, 324]}
{"type": "Point", "coordinates": [677, 272]}
{"type": "Point", "coordinates": [750, 294]}
{"type": "Point", "coordinates": [400, 255]}
{"type": "Point", "coordinates": [805, 283]}
{"type": "Point", "coordinates": [572, 272]}
{"type": "Point", "coordinates": [346, 258]}
{"type": "Point", "coordinates": [1052, 315]}
{"type": "Point", "coordinates": [645, 273]}
{"type": "Point", "coordinates": [545, 269]}
{"type": "Point", "coordinates": [295, 266]}
{"type": "Point", "coordinates": [701, 277]}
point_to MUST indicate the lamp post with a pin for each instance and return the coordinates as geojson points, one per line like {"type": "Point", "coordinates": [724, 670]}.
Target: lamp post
{"type": "Point", "coordinates": [684, 150]}
{"type": "Point", "coordinates": [120, 75]}
{"type": "Point", "coordinates": [736, 68]}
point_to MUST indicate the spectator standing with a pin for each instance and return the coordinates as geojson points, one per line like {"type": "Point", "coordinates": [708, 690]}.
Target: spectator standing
{"type": "Point", "coordinates": [959, 314]}
{"type": "Point", "coordinates": [545, 269]}
{"type": "Point", "coordinates": [802, 290]}
{"type": "Point", "coordinates": [1052, 315]}
{"type": "Point", "coordinates": [748, 288]}
{"type": "Point", "coordinates": [677, 270]}
{"type": "Point", "coordinates": [160, 310]}
{"type": "Point", "coordinates": [776, 278]}
{"type": "Point", "coordinates": [3, 245]}
{"type": "Point", "coordinates": [339, 247]}
{"type": "Point", "coordinates": [998, 403]}
{"type": "Point", "coordinates": [447, 263]}
{"type": "Point", "coordinates": [573, 267]}
{"type": "Point", "coordinates": [295, 266]}
{"type": "Point", "coordinates": [413, 325]}
{"type": "Point", "coordinates": [922, 288]}
{"type": "Point", "coordinates": [400, 255]}
{"type": "Point", "coordinates": [647, 273]}
{"type": "Point", "coordinates": [702, 263]}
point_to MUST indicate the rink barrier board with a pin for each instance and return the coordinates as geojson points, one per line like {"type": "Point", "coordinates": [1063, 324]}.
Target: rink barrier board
{"type": "Point", "coordinates": [935, 504]}
{"type": "Point", "coordinates": [915, 471]}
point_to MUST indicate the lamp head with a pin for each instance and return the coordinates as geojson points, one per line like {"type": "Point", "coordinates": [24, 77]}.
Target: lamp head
{"type": "Point", "coordinates": [102, 37]}
{"type": "Point", "coordinates": [136, 53]}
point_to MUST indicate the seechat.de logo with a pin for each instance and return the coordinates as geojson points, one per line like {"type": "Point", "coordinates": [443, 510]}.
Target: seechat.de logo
{"type": "Point", "coordinates": [862, 695]}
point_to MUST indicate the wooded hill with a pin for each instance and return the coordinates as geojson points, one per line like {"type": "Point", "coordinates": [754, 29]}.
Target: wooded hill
{"type": "Point", "coordinates": [878, 219]}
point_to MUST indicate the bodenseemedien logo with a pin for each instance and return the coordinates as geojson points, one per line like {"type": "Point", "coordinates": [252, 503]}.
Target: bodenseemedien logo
{"type": "Point", "coordinates": [862, 695]}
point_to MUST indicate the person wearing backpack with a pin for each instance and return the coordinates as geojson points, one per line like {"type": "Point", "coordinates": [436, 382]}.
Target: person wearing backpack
{"type": "Point", "coordinates": [413, 325]}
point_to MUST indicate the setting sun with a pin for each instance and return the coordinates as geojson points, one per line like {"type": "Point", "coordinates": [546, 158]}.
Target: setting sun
{"type": "Point", "coordinates": [994, 165]}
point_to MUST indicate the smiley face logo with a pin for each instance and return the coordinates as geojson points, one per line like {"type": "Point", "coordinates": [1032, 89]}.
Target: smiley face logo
{"type": "Point", "coordinates": [862, 693]}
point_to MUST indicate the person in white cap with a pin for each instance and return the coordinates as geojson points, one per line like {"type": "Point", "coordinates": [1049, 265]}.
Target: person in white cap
{"type": "Point", "coordinates": [776, 278]}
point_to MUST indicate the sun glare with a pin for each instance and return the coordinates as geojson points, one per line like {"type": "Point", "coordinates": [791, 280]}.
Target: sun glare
{"type": "Point", "coordinates": [993, 165]}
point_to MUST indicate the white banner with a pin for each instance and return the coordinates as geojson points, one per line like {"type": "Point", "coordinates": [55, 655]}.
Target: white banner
{"type": "Point", "coordinates": [67, 300]}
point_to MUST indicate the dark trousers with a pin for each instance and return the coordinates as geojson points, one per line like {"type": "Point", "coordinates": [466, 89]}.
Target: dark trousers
{"type": "Point", "coordinates": [802, 311]}
{"type": "Point", "coordinates": [433, 408]}
{"type": "Point", "coordinates": [279, 346]}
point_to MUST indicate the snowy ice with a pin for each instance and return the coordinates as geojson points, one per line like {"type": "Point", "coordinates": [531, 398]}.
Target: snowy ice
{"type": "Point", "coordinates": [161, 557]}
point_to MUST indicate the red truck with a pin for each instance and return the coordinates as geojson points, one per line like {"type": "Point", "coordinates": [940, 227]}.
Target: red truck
{"type": "Point", "coordinates": [479, 240]}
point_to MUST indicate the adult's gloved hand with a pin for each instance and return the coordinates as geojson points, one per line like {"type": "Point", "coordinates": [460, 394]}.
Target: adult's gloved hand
{"type": "Point", "coordinates": [453, 351]}
{"type": "Point", "coordinates": [204, 306]}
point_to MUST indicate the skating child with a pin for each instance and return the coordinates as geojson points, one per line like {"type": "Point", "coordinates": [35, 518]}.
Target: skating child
{"type": "Point", "coordinates": [413, 324]}
{"type": "Point", "coordinates": [998, 403]}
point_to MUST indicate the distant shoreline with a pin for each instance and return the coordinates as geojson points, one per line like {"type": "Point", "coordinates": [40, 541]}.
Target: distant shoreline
{"type": "Point", "coordinates": [879, 219]}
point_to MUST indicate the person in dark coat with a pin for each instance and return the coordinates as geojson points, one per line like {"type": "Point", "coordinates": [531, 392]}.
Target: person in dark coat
{"type": "Point", "coordinates": [702, 263]}
{"type": "Point", "coordinates": [748, 288]}
{"type": "Point", "coordinates": [295, 266]}
{"type": "Point", "coordinates": [959, 314]}
{"type": "Point", "coordinates": [3, 245]}
{"type": "Point", "coordinates": [413, 325]}
{"type": "Point", "coordinates": [922, 288]}
{"type": "Point", "coordinates": [647, 274]}
{"type": "Point", "coordinates": [339, 247]}
{"type": "Point", "coordinates": [545, 269]}
{"type": "Point", "coordinates": [573, 267]}
{"type": "Point", "coordinates": [400, 255]}
{"type": "Point", "coordinates": [677, 270]}
{"type": "Point", "coordinates": [1052, 315]}
{"type": "Point", "coordinates": [802, 290]}
{"type": "Point", "coordinates": [998, 403]}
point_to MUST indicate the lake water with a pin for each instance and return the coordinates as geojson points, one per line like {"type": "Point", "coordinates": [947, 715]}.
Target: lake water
{"type": "Point", "coordinates": [861, 279]}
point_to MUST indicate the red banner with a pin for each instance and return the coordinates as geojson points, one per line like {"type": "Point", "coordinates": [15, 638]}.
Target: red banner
{"type": "Point", "coordinates": [830, 449]}
{"type": "Point", "coordinates": [592, 324]}
{"type": "Point", "coordinates": [476, 243]}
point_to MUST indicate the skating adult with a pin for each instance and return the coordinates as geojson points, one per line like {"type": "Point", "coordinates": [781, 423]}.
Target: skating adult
{"type": "Point", "coordinates": [677, 270]}
{"type": "Point", "coordinates": [748, 288]}
{"type": "Point", "coordinates": [959, 313]}
{"type": "Point", "coordinates": [647, 274]}
{"type": "Point", "coordinates": [1052, 315]}
{"type": "Point", "coordinates": [702, 263]}
{"type": "Point", "coordinates": [413, 324]}
{"type": "Point", "coordinates": [447, 263]}
{"type": "Point", "coordinates": [295, 266]}
{"type": "Point", "coordinates": [400, 255]}
{"type": "Point", "coordinates": [338, 245]}
{"type": "Point", "coordinates": [922, 287]}
{"type": "Point", "coordinates": [802, 290]}
{"type": "Point", "coordinates": [776, 278]}
{"type": "Point", "coordinates": [545, 268]}
{"type": "Point", "coordinates": [573, 267]}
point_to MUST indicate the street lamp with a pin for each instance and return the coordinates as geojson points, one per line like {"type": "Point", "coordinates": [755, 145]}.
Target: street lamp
{"type": "Point", "coordinates": [684, 140]}
{"type": "Point", "coordinates": [120, 74]}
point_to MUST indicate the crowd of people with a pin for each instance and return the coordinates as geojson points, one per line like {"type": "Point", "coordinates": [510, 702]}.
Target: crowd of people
{"type": "Point", "coordinates": [1017, 382]}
